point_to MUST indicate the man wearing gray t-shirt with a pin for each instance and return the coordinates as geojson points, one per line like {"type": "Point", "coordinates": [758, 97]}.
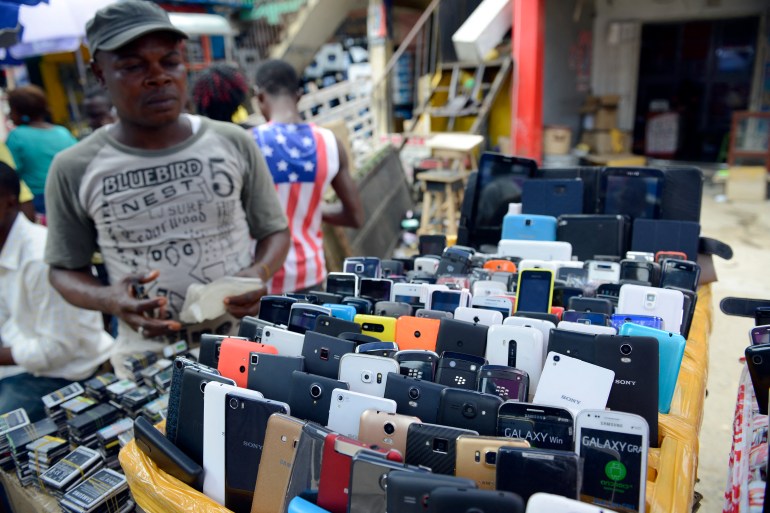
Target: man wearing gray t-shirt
{"type": "Point", "coordinates": [169, 199]}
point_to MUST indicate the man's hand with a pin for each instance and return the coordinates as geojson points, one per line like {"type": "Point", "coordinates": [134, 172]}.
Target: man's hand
{"type": "Point", "coordinates": [245, 304]}
{"type": "Point", "coordinates": [140, 313]}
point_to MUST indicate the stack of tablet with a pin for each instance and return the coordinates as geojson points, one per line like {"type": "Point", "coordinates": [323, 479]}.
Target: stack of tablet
{"type": "Point", "coordinates": [54, 400]}
{"type": "Point", "coordinates": [83, 428]}
{"type": "Point", "coordinates": [162, 380]}
{"type": "Point", "coordinates": [155, 411]}
{"type": "Point", "coordinates": [151, 371]}
{"type": "Point", "coordinates": [43, 453]}
{"type": "Point", "coordinates": [108, 442]}
{"type": "Point", "coordinates": [117, 390]}
{"type": "Point", "coordinates": [96, 387]}
{"type": "Point", "coordinates": [133, 401]}
{"type": "Point", "coordinates": [71, 470]}
{"type": "Point", "coordinates": [8, 422]}
{"type": "Point", "coordinates": [78, 405]}
{"type": "Point", "coordinates": [137, 362]}
{"type": "Point", "coordinates": [18, 440]}
{"type": "Point", "coordinates": [105, 491]}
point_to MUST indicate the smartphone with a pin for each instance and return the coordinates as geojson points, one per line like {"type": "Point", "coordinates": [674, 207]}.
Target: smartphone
{"type": "Point", "coordinates": [392, 268]}
{"type": "Point", "coordinates": [633, 192]}
{"type": "Point", "coordinates": [267, 374]}
{"type": "Point", "coordinates": [603, 272]}
{"type": "Point", "coordinates": [529, 227]}
{"type": "Point", "coordinates": [464, 500]}
{"type": "Point", "coordinates": [381, 328]}
{"type": "Point", "coordinates": [276, 309]}
{"type": "Point", "coordinates": [427, 264]}
{"type": "Point", "coordinates": [682, 274]}
{"type": "Point", "coordinates": [590, 304]}
{"type": "Point", "coordinates": [478, 316]}
{"type": "Point", "coordinates": [494, 303]}
{"type": "Point", "coordinates": [461, 337]}
{"type": "Point", "coordinates": [166, 455]}
{"type": "Point", "coordinates": [358, 338]}
{"type": "Point", "coordinates": [417, 363]}
{"type": "Point", "coordinates": [534, 290]}
{"type": "Point", "coordinates": [414, 397]}
{"type": "Point", "coordinates": [761, 316]}
{"type": "Point", "coordinates": [246, 419]}
{"type": "Point", "coordinates": [545, 427]}
{"type": "Point", "coordinates": [526, 471]}
{"type": "Point", "coordinates": [459, 370]}
{"type": "Point", "coordinates": [573, 384]}
{"type": "Point", "coordinates": [311, 396]}
{"type": "Point", "coordinates": [328, 325]}
{"type": "Point", "coordinates": [505, 382]}
{"type": "Point", "coordinates": [345, 284]}
{"type": "Point", "coordinates": [548, 502]}
{"type": "Point", "coordinates": [574, 276]}
{"type": "Point", "coordinates": [642, 272]}
{"type": "Point", "coordinates": [689, 302]}
{"type": "Point", "coordinates": [760, 335]}
{"type": "Point", "coordinates": [368, 472]}
{"type": "Point", "coordinates": [376, 289]}
{"type": "Point", "coordinates": [234, 357]}
{"type": "Point", "coordinates": [448, 300]}
{"type": "Point", "coordinates": [409, 293]}
{"type": "Point", "coordinates": [417, 333]}
{"type": "Point", "coordinates": [477, 458]}
{"type": "Point", "coordinates": [392, 309]}
{"type": "Point", "coordinates": [517, 346]}
{"type": "Point", "coordinates": [383, 349]}
{"type": "Point", "coordinates": [618, 320]}
{"type": "Point", "coordinates": [325, 297]}
{"type": "Point", "coordinates": [250, 328]}
{"type": "Point", "coordinates": [334, 485]}
{"type": "Point", "coordinates": [302, 316]}
{"type": "Point", "coordinates": [281, 440]}
{"type": "Point", "coordinates": [409, 492]}
{"type": "Point", "coordinates": [287, 343]}
{"type": "Point", "coordinates": [211, 345]}
{"type": "Point", "coordinates": [364, 267]}
{"type": "Point", "coordinates": [488, 288]}
{"type": "Point", "coordinates": [366, 374]}
{"type": "Point", "coordinates": [583, 327]}
{"type": "Point", "coordinates": [348, 406]}
{"type": "Point", "coordinates": [592, 318]}
{"type": "Point", "coordinates": [664, 303]}
{"type": "Point", "coordinates": [758, 362]}
{"type": "Point", "coordinates": [613, 447]}
{"type": "Point", "coordinates": [323, 353]}
{"type": "Point", "coordinates": [385, 428]}
{"type": "Point", "coordinates": [425, 313]}
{"type": "Point", "coordinates": [455, 261]}
{"type": "Point", "coordinates": [434, 446]}
{"type": "Point", "coordinates": [431, 244]}
{"type": "Point", "coordinates": [344, 312]}
{"type": "Point", "coordinates": [362, 305]}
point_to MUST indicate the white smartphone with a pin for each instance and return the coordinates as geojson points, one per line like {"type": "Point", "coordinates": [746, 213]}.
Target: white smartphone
{"type": "Point", "coordinates": [345, 284]}
{"type": "Point", "coordinates": [496, 303]}
{"type": "Point", "coordinates": [448, 300]}
{"type": "Point", "coordinates": [549, 503]}
{"type": "Point", "coordinates": [426, 264]}
{"type": "Point", "coordinates": [365, 373]}
{"type": "Point", "coordinates": [641, 256]}
{"type": "Point", "coordinates": [517, 346]}
{"type": "Point", "coordinates": [543, 326]}
{"type": "Point", "coordinates": [347, 406]}
{"type": "Point", "coordinates": [410, 293]}
{"type": "Point", "coordinates": [214, 436]}
{"type": "Point", "coordinates": [426, 291]}
{"type": "Point", "coordinates": [573, 384]}
{"type": "Point", "coordinates": [581, 327]}
{"type": "Point", "coordinates": [664, 303]}
{"type": "Point", "coordinates": [613, 447]}
{"type": "Point", "coordinates": [288, 343]}
{"type": "Point", "coordinates": [603, 272]}
{"type": "Point", "coordinates": [535, 249]}
{"type": "Point", "coordinates": [478, 316]}
{"type": "Point", "coordinates": [488, 288]}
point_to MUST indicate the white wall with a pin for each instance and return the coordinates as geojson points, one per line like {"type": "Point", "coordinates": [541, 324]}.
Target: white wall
{"type": "Point", "coordinates": [617, 39]}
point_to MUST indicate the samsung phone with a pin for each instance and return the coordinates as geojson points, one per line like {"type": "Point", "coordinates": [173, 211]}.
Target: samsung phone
{"type": "Point", "coordinates": [526, 471]}
{"type": "Point", "coordinates": [345, 284]}
{"type": "Point", "coordinates": [302, 316]}
{"type": "Point", "coordinates": [477, 458]}
{"type": "Point", "coordinates": [682, 274]}
{"type": "Point", "coordinates": [363, 267]}
{"type": "Point", "coordinates": [417, 363]}
{"type": "Point", "coordinates": [276, 309]}
{"type": "Point", "coordinates": [664, 303]}
{"type": "Point", "coordinates": [545, 427]}
{"type": "Point", "coordinates": [376, 289]}
{"type": "Point", "coordinates": [613, 447]}
{"type": "Point", "coordinates": [534, 290]}
{"type": "Point", "coordinates": [366, 374]}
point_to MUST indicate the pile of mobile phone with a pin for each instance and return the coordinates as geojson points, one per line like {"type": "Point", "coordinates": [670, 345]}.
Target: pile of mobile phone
{"type": "Point", "coordinates": [758, 352]}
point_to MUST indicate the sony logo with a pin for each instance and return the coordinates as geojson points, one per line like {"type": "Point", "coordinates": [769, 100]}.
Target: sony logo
{"type": "Point", "coordinates": [571, 399]}
{"type": "Point", "coordinates": [625, 382]}
{"type": "Point", "coordinates": [252, 445]}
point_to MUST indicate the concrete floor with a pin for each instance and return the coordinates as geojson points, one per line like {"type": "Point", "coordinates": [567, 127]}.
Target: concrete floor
{"type": "Point", "coordinates": [746, 228]}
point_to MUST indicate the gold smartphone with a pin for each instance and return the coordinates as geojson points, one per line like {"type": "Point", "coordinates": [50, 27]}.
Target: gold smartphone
{"type": "Point", "coordinates": [281, 439]}
{"type": "Point", "coordinates": [386, 430]}
{"type": "Point", "coordinates": [476, 457]}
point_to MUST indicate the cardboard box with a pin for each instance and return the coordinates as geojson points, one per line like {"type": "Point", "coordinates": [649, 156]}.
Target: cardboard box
{"type": "Point", "coordinates": [600, 141]}
{"type": "Point", "coordinates": [557, 140]}
{"type": "Point", "coordinates": [483, 30]}
{"type": "Point", "coordinates": [606, 118]}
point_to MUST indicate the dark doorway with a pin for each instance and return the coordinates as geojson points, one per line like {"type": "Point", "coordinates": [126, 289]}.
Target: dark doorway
{"type": "Point", "coordinates": [703, 70]}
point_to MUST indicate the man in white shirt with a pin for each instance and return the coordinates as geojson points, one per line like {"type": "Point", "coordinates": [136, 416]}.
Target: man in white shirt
{"type": "Point", "coordinates": [45, 343]}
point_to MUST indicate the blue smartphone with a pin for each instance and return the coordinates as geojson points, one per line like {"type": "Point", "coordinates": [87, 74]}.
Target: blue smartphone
{"type": "Point", "coordinates": [344, 312]}
{"type": "Point", "coordinates": [529, 227]}
{"type": "Point", "coordinates": [619, 319]}
{"type": "Point", "coordinates": [671, 347]}
{"type": "Point", "coordinates": [595, 318]}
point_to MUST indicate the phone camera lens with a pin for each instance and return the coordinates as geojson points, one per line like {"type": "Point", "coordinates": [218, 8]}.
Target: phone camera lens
{"type": "Point", "coordinates": [178, 364]}
{"type": "Point", "coordinates": [417, 334]}
{"type": "Point", "coordinates": [315, 391]}
{"type": "Point", "coordinates": [490, 458]}
{"type": "Point", "coordinates": [389, 428]}
{"type": "Point", "coordinates": [556, 357]}
{"type": "Point", "coordinates": [267, 333]}
{"type": "Point", "coordinates": [340, 398]}
{"type": "Point", "coordinates": [756, 359]}
{"type": "Point", "coordinates": [625, 349]}
{"type": "Point", "coordinates": [233, 403]}
{"type": "Point", "coordinates": [469, 410]}
{"type": "Point", "coordinates": [414, 393]}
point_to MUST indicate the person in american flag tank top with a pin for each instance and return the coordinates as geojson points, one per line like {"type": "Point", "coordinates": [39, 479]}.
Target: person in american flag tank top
{"type": "Point", "coordinates": [304, 160]}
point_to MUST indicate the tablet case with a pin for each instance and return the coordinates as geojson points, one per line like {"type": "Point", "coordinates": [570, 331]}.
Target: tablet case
{"type": "Point", "coordinates": [653, 235]}
{"type": "Point", "coordinates": [552, 197]}
{"type": "Point", "coordinates": [590, 177]}
{"type": "Point", "coordinates": [682, 194]}
{"type": "Point", "coordinates": [592, 235]}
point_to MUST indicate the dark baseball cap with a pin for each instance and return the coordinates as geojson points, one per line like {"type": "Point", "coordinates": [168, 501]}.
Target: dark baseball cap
{"type": "Point", "coordinates": [120, 23]}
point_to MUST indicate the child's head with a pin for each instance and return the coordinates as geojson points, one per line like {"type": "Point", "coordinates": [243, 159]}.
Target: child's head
{"type": "Point", "coordinates": [219, 91]}
{"type": "Point", "coordinates": [276, 79]}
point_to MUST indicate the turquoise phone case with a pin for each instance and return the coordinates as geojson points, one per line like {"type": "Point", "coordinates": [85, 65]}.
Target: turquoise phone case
{"type": "Point", "coordinates": [300, 505]}
{"type": "Point", "coordinates": [671, 347]}
{"type": "Point", "coordinates": [529, 227]}
{"type": "Point", "coordinates": [344, 312]}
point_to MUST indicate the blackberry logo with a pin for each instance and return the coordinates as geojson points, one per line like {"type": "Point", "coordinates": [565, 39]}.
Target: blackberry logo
{"type": "Point", "coordinates": [414, 373]}
{"type": "Point", "coordinates": [502, 391]}
{"type": "Point", "coordinates": [460, 380]}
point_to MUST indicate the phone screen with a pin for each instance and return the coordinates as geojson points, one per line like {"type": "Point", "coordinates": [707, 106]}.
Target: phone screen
{"type": "Point", "coordinates": [500, 181]}
{"type": "Point", "coordinates": [445, 301]}
{"type": "Point", "coordinates": [596, 318]}
{"type": "Point", "coordinates": [502, 309]}
{"type": "Point", "coordinates": [632, 271]}
{"type": "Point", "coordinates": [760, 335]}
{"type": "Point", "coordinates": [510, 387]}
{"type": "Point", "coordinates": [417, 367]}
{"type": "Point", "coordinates": [276, 311]}
{"type": "Point", "coordinates": [677, 275]}
{"type": "Point", "coordinates": [535, 292]}
{"type": "Point", "coordinates": [634, 196]}
{"type": "Point", "coordinates": [343, 285]}
{"type": "Point", "coordinates": [364, 267]}
{"type": "Point", "coordinates": [303, 320]}
{"type": "Point", "coordinates": [612, 468]}
{"type": "Point", "coordinates": [542, 429]}
{"type": "Point", "coordinates": [376, 290]}
{"type": "Point", "coordinates": [413, 301]}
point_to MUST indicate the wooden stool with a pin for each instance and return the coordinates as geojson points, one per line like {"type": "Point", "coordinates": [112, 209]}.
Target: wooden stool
{"type": "Point", "coordinates": [456, 148]}
{"type": "Point", "coordinates": [442, 198]}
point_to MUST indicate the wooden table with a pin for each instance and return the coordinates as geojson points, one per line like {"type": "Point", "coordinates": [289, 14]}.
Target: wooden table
{"type": "Point", "coordinates": [441, 200]}
{"type": "Point", "coordinates": [456, 148]}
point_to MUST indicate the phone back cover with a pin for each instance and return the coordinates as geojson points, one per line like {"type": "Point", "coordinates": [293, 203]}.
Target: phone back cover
{"type": "Point", "coordinates": [461, 337]}
{"type": "Point", "coordinates": [472, 501]}
{"type": "Point", "coordinates": [417, 333]}
{"type": "Point", "coordinates": [552, 197]}
{"type": "Point", "coordinates": [323, 353]}
{"type": "Point", "coordinates": [269, 374]}
{"type": "Point", "coordinates": [407, 491]}
{"type": "Point", "coordinates": [369, 479]}
{"type": "Point", "coordinates": [306, 470]}
{"type": "Point", "coordinates": [423, 449]}
{"type": "Point", "coordinates": [281, 442]}
{"type": "Point", "coordinates": [467, 409]}
{"type": "Point", "coordinates": [234, 358]}
{"type": "Point", "coordinates": [574, 344]}
{"type": "Point", "coordinates": [682, 194]}
{"type": "Point", "coordinates": [529, 227]}
{"type": "Point", "coordinates": [573, 384]}
{"type": "Point", "coordinates": [424, 407]}
{"type": "Point", "coordinates": [592, 235]}
{"type": "Point", "coordinates": [303, 405]}
{"type": "Point", "coordinates": [526, 471]}
{"type": "Point", "coordinates": [653, 235]}
{"type": "Point", "coordinates": [333, 326]}
{"type": "Point", "coordinates": [335, 475]}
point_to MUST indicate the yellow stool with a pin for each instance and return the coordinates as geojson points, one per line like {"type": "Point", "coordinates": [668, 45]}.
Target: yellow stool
{"type": "Point", "coordinates": [441, 201]}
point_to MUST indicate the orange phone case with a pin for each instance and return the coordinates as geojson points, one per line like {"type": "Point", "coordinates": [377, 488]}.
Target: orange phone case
{"type": "Point", "coordinates": [416, 333]}
{"type": "Point", "coordinates": [500, 266]}
{"type": "Point", "coordinates": [665, 254]}
{"type": "Point", "coordinates": [234, 358]}
{"type": "Point", "coordinates": [558, 311]}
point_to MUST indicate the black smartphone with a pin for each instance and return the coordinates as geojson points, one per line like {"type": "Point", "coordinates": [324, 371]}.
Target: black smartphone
{"type": "Point", "coordinates": [392, 309]}
{"type": "Point", "coordinates": [469, 409]}
{"type": "Point", "coordinates": [311, 396]}
{"type": "Point", "coordinates": [333, 326]}
{"type": "Point", "coordinates": [640, 272]}
{"type": "Point", "coordinates": [572, 343]}
{"type": "Point", "coordinates": [326, 297]}
{"type": "Point", "coordinates": [251, 328]}
{"type": "Point", "coordinates": [384, 349]}
{"type": "Point", "coordinates": [762, 316]}
{"type": "Point", "coordinates": [455, 260]}
{"type": "Point", "coordinates": [267, 374]}
{"type": "Point", "coordinates": [362, 305]}
{"type": "Point", "coordinates": [505, 382]}
{"type": "Point", "coordinates": [167, 456]}
{"type": "Point", "coordinates": [303, 298]}
{"type": "Point", "coordinates": [345, 284]}
{"type": "Point", "coordinates": [408, 492]}
{"type": "Point", "coordinates": [595, 318]}
{"type": "Point", "coordinates": [552, 318]}
{"type": "Point", "coordinates": [276, 309]}
{"type": "Point", "coordinates": [357, 338]}
{"type": "Point", "coordinates": [459, 370]}
{"type": "Point", "coordinates": [526, 471]}
{"type": "Point", "coordinates": [431, 244]}
{"type": "Point", "coordinates": [591, 304]}
{"type": "Point", "coordinates": [545, 427]}
{"type": "Point", "coordinates": [433, 446]}
{"type": "Point", "coordinates": [461, 337]}
{"type": "Point", "coordinates": [682, 274]}
{"type": "Point", "coordinates": [417, 363]}
{"type": "Point", "coordinates": [758, 361]}
{"type": "Point", "coordinates": [391, 268]}
{"type": "Point", "coordinates": [376, 289]}
{"type": "Point", "coordinates": [302, 316]}
{"type": "Point", "coordinates": [368, 472]}
{"type": "Point", "coordinates": [175, 392]}
{"type": "Point", "coordinates": [470, 500]}
{"type": "Point", "coordinates": [688, 309]}
{"type": "Point", "coordinates": [245, 425]}
{"type": "Point", "coordinates": [633, 192]}
{"type": "Point", "coordinates": [563, 294]}
{"type": "Point", "coordinates": [414, 397]}
{"type": "Point", "coordinates": [323, 353]}
{"type": "Point", "coordinates": [208, 353]}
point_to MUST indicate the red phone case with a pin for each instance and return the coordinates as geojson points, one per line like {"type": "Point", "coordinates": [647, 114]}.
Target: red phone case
{"type": "Point", "coordinates": [558, 311]}
{"type": "Point", "coordinates": [234, 358]}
